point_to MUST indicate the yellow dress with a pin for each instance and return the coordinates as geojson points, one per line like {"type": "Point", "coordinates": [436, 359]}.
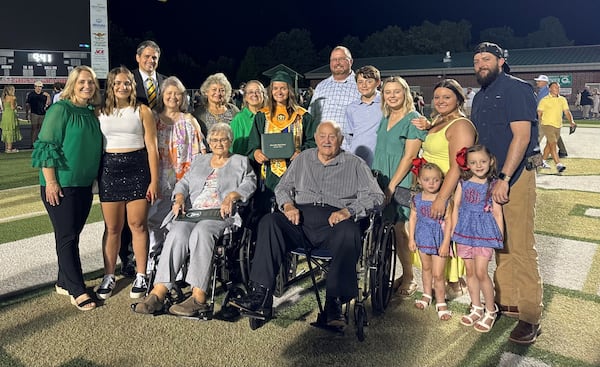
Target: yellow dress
{"type": "Point", "coordinates": [435, 150]}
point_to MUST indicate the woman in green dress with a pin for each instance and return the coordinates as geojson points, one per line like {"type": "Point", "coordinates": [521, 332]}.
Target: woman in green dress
{"type": "Point", "coordinates": [10, 124]}
{"type": "Point", "coordinates": [398, 143]}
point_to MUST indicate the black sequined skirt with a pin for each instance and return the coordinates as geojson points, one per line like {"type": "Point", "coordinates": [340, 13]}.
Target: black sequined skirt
{"type": "Point", "coordinates": [124, 176]}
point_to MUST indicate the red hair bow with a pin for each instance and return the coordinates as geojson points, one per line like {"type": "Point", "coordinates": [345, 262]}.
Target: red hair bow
{"type": "Point", "coordinates": [461, 159]}
{"type": "Point", "coordinates": [417, 163]}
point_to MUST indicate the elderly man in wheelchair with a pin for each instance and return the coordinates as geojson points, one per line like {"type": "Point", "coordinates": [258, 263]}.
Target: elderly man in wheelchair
{"type": "Point", "coordinates": [319, 197]}
{"type": "Point", "coordinates": [214, 182]}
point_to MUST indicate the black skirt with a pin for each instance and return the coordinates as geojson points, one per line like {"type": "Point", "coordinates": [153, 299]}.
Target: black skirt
{"type": "Point", "coordinates": [124, 176]}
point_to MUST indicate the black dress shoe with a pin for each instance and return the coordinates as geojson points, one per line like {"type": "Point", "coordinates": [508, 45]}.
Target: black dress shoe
{"type": "Point", "coordinates": [259, 298]}
{"type": "Point", "coordinates": [333, 309]}
{"type": "Point", "coordinates": [525, 333]}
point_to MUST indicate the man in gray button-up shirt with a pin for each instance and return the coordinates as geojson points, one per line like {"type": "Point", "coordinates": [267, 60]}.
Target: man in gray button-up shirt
{"type": "Point", "coordinates": [320, 195]}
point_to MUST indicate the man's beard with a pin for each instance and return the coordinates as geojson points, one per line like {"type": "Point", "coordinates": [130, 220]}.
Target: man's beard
{"type": "Point", "coordinates": [484, 81]}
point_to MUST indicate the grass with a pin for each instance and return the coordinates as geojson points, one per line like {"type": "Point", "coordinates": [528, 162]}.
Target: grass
{"type": "Point", "coordinates": [40, 328]}
{"type": "Point", "coordinates": [17, 171]}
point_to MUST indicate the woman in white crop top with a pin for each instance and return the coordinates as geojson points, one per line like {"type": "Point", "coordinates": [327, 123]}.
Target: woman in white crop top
{"type": "Point", "coordinates": [128, 180]}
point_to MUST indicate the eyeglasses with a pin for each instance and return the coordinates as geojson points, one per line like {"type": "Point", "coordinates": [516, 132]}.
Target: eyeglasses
{"type": "Point", "coordinates": [257, 92]}
{"type": "Point", "coordinates": [222, 141]}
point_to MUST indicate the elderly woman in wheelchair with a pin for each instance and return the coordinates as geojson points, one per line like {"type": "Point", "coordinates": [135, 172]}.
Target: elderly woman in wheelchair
{"type": "Point", "coordinates": [202, 199]}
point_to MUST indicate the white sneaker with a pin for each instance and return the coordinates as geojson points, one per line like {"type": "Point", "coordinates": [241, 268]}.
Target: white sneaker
{"type": "Point", "coordinates": [139, 288]}
{"type": "Point", "coordinates": [545, 165]}
{"type": "Point", "coordinates": [105, 289]}
{"type": "Point", "coordinates": [560, 167]}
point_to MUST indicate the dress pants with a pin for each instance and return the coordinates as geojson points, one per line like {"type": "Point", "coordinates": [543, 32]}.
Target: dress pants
{"type": "Point", "coordinates": [517, 278]}
{"type": "Point", "coordinates": [277, 236]}
{"type": "Point", "coordinates": [68, 219]}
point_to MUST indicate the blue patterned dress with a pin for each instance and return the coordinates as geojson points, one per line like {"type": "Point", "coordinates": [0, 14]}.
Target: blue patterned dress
{"type": "Point", "coordinates": [429, 232]}
{"type": "Point", "coordinates": [476, 224]}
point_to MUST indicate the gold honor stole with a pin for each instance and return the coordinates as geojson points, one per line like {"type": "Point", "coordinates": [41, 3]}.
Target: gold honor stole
{"type": "Point", "coordinates": [282, 122]}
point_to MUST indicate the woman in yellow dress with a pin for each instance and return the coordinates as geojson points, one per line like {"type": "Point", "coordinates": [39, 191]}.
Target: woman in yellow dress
{"type": "Point", "coordinates": [449, 131]}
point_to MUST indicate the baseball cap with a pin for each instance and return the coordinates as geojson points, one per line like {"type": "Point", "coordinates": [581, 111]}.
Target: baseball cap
{"type": "Point", "coordinates": [38, 83]}
{"type": "Point", "coordinates": [495, 50]}
{"type": "Point", "coordinates": [542, 78]}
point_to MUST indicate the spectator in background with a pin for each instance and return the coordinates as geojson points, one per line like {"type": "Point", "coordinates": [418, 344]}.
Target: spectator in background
{"type": "Point", "coordinates": [596, 103]}
{"type": "Point", "coordinates": [215, 106]}
{"type": "Point", "coordinates": [10, 123]}
{"type": "Point", "coordinates": [254, 99]}
{"type": "Point", "coordinates": [550, 113]}
{"type": "Point", "coordinates": [541, 83]}
{"type": "Point", "coordinates": [334, 94]}
{"type": "Point", "coordinates": [363, 116]}
{"type": "Point", "coordinates": [586, 102]}
{"type": "Point", "coordinates": [469, 101]}
{"type": "Point", "coordinates": [56, 90]}
{"type": "Point", "coordinates": [35, 108]}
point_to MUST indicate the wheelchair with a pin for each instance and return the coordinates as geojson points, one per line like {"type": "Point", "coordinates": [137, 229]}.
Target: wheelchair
{"type": "Point", "coordinates": [230, 267]}
{"type": "Point", "coordinates": [375, 273]}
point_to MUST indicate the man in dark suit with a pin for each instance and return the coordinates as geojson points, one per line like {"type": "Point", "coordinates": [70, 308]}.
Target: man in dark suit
{"type": "Point", "coordinates": [147, 55]}
{"type": "Point", "coordinates": [147, 92]}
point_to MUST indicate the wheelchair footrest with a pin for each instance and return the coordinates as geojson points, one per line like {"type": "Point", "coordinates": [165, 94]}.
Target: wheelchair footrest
{"type": "Point", "coordinates": [201, 316]}
{"type": "Point", "coordinates": [260, 315]}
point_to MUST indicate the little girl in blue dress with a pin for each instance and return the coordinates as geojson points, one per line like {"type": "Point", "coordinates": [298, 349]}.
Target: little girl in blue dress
{"type": "Point", "coordinates": [478, 228]}
{"type": "Point", "coordinates": [430, 236]}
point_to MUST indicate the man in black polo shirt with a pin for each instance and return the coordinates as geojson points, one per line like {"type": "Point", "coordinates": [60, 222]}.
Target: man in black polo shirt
{"type": "Point", "coordinates": [504, 113]}
{"type": "Point", "coordinates": [35, 108]}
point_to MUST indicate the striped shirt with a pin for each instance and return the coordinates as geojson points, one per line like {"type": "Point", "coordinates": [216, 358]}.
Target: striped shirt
{"type": "Point", "coordinates": [330, 99]}
{"type": "Point", "coordinates": [344, 182]}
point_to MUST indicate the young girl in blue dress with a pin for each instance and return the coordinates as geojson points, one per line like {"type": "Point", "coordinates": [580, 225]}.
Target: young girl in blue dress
{"type": "Point", "coordinates": [430, 236]}
{"type": "Point", "coordinates": [478, 228]}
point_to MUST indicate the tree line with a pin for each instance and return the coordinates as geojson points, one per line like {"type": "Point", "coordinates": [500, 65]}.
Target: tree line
{"type": "Point", "coordinates": [296, 49]}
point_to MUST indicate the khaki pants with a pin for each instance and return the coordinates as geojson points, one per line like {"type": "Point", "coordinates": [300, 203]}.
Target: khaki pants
{"type": "Point", "coordinates": [517, 278]}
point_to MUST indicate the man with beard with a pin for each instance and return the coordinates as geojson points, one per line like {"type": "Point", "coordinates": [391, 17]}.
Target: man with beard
{"type": "Point", "coordinates": [334, 94]}
{"type": "Point", "coordinates": [504, 113]}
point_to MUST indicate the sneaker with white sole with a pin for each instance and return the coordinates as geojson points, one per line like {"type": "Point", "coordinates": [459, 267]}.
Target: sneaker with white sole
{"type": "Point", "coordinates": [105, 289]}
{"type": "Point", "coordinates": [545, 165]}
{"type": "Point", "coordinates": [139, 288]}
{"type": "Point", "coordinates": [560, 167]}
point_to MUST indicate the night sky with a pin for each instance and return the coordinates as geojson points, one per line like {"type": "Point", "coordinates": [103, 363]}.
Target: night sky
{"type": "Point", "coordinates": [207, 29]}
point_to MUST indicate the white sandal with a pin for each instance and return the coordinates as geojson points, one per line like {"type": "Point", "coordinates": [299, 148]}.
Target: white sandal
{"type": "Point", "coordinates": [482, 325]}
{"type": "Point", "coordinates": [475, 314]}
{"type": "Point", "coordinates": [442, 313]}
{"type": "Point", "coordinates": [420, 304]}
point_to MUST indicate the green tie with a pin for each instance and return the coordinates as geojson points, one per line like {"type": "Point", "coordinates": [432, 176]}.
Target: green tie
{"type": "Point", "coordinates": [151, 89]}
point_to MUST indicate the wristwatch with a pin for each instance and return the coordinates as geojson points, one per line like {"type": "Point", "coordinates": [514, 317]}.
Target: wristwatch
{"type": "Point", "coordinates": [504, 177]}
{"type": "Point", "coordinates": [351, 211]}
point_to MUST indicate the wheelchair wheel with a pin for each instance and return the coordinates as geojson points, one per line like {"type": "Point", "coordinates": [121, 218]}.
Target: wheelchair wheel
{"type": "Point", "coordinates": [382, 276]}
{"type": "Point", "coordinates": [360, 318]}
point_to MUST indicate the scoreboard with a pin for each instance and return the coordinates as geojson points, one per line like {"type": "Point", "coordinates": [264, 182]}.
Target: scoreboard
{"type": "Point", "coordinates": [26, 66]}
